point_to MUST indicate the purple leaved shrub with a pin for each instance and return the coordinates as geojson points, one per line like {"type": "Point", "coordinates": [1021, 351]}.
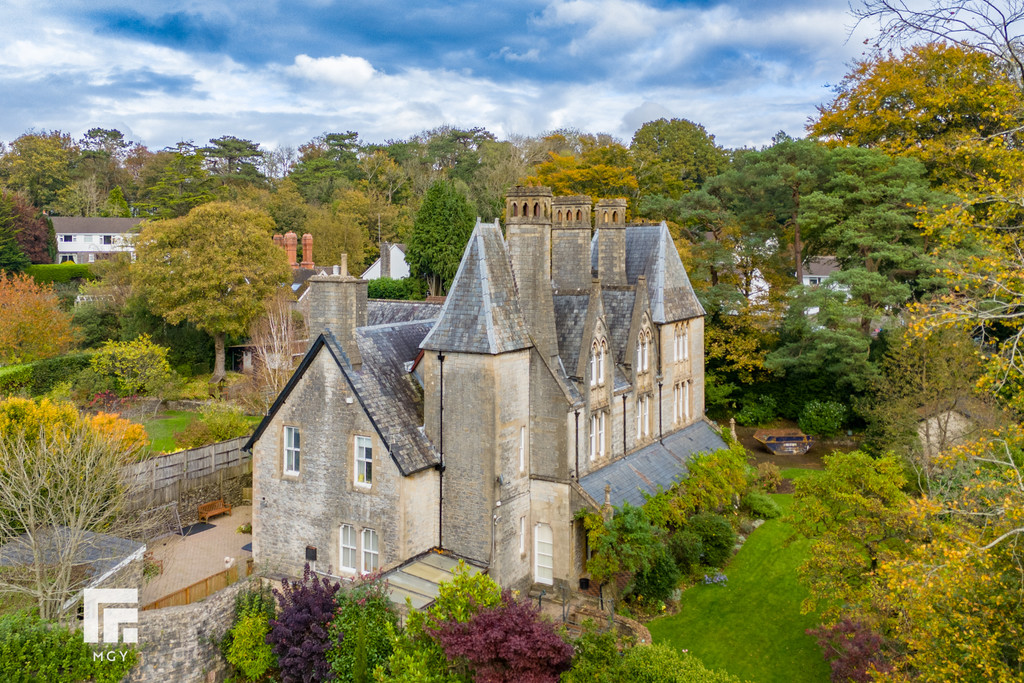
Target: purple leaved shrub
{"type": "Point", "coordinates": [299, 635]}
{"type": "Point", "coordinates": [852, 649]}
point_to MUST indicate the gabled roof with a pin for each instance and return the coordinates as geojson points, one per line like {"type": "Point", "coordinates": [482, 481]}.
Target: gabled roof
{"type": "Point", "coordinates": [618, 312]}
{"type": "Point", "coordinates": [661, 463]}
{"type": "Point", "coordinates": [650, 251]}
{"type": "Point", "coordinates": [383, 388]}
{"type": "Point", "coordinates": [481, 313]}
{"type": "Point", "coordinates": [570, 319]}
{"type": "Point", "coordinates": [93, 224]}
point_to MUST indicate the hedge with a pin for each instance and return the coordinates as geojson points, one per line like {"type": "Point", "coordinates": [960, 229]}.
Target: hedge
{"type": "Point", "coordinates": [41, 376]}
{"type": "Point", "coordinates": [51, 273]}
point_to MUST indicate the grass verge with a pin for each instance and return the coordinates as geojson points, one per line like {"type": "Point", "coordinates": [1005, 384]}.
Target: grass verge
{"type": "Point", "coordinates": [752, 626]}
{"type": "Point", "coordinates": [161, 429]}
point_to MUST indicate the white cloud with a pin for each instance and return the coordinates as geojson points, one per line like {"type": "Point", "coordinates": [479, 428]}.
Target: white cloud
{"type": "Point", "coordinates": [341, 70]}
{"type": "Point", "coordinates": [510, 55]}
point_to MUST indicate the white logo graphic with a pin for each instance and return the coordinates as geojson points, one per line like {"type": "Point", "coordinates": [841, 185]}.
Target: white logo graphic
{"type": "Point", "coordinates": [113, 617]}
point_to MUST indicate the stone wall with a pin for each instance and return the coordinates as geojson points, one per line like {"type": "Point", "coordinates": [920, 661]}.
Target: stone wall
{"type": "Point", "coordinates": [181, 644]}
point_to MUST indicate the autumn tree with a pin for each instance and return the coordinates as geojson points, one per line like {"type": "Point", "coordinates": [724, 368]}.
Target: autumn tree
{"type": "Point", "coordinates": [598, 171]}
{"type": "Point", "coordinates": [139, 367]}
{"type": "Point", "coordinates": [48, 509]}
{"type": "Point", "coordinates": [214, 267]}
{"type": "Point", "coordinates": [951, 107]}
{"type": "Point", "coordinates": [994, 28]}
{"type": "Point", "coordinates": [39, 165]}
{"type": "Point", "coordinates": [32, 326]}
{"type": "Point", "coordinates": [673, 157]}
{"type": "Point", "coordinates": [439, 235]}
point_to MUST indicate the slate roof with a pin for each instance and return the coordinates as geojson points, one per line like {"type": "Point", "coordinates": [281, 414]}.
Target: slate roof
{"type": "Point", "coordinates": [570, 319]}
{"type": "Point", "coordinates": [390, 394]}
{"type": "Point", "coordinates": [93, 225]}
{"type": "Point", "coordinates": [651, 252]}
{"type": "Point", "coordinates": [383, 311]}
{"type": "Point", "coordinates": [660, 463]}
{"type": "Point", "coordinates": [481, 313]}
{"type": "Point", "coordinates": [618, 314]}
{"type": "Point", "coordinates": [99, 553]}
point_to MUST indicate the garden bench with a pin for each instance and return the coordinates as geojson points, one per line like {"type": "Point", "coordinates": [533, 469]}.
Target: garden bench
{"type": "Point", "coordinates": [214, 507]}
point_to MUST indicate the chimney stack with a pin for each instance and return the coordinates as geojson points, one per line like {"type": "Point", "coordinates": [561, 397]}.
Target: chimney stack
{"type": "Point", "coordinates": [528, 236]}
{"type": "Point", "coordinates": [570, 243]}
{"type": "Point", "coordinates": [307, 251]}
{"type": "Point", "coordinates": [611, 241]}
{"type": "Point", "coordinates": [385, 259]}
{"type": "Point", "coordinates": [290, 247]}
{"type": "Point", "coordinates": [338, 304]}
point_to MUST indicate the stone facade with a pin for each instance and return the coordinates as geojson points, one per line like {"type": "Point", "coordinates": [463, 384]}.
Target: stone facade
{"type": "Point", "coordinates": [562, 360]}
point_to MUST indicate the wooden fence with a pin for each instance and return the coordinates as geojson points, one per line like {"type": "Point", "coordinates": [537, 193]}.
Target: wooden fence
{"type": "Point", "coordinates": [164, 478]}
{"type": "Point", "coordinates": [200, 589]}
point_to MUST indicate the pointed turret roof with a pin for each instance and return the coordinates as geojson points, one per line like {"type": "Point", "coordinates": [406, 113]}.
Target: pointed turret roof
{"type": "Point", "coordinates": [481, 313]}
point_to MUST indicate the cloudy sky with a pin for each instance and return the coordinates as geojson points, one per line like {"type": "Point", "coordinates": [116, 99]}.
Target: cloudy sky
{"type": "Point", "coordinates": [282, 71]}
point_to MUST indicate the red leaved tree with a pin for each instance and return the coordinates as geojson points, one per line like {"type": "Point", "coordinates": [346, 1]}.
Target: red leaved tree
{"type": "Point", "coordinates": [508, 643]}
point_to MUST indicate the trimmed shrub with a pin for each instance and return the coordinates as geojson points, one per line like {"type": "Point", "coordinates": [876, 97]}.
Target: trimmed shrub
{"type": "Point", "coordinates": [597, 658]}
{"type": "Point", "coordinates": [716, 535]}
{"type": "Point", "coordinates": [51, 273]}
{"type": "Point", "coordinates": [687, 549]}
{"type": "Point", "coordinates": [824, 418]}
{"type": "Point", "coordinates": [768, 477]}
{"type": "Point", "coordinates": [761, 505]}
{"type": "Point", "coordinates": [35, 650]}
{"type": "Point", "coordinates": [359, 631]}
{"type": "Point", "coordinates": [48, 373]}
{"type": "Point", "coordinates": [408, 288]}
{"type": "Point", "coordinates": [13, 378]}
{"type": "Point", "coordinates": [757, 410]}
{"type": "Point", "coordinates": [662, 664]}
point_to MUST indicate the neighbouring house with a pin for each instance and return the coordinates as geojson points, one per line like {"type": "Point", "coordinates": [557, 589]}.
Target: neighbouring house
{"type": "Point", "coordinates": [88, 239]}
{"type": "Point", "coordinates": [97, 560]}
{"type": "Point", "coordinates": [563, 371]}
{"type": "Point", "coordinates": [818, 269]}
{"type": "Point", "coordinates": [391, 263]}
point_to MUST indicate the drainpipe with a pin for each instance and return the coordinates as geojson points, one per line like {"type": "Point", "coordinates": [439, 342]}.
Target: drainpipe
{"type": "Point", "coordinates": [660, 434]}
{"type": "Point", "coordinates": [577, 444]}
{"type": "Point", "coordinates": [623, 424]}
{"type": "Point", "coordinates": [440, 466]}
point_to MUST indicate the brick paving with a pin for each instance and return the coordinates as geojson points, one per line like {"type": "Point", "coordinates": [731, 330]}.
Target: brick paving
{"type": "Point", "coordinates": [193, 558]}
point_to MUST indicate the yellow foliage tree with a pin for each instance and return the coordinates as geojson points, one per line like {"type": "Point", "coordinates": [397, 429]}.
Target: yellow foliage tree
{"type": "Point", "coordinates": [32, 325]}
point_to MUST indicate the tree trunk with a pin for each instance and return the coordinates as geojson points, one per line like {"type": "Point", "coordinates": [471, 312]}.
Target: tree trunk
{"type": "Point", "coordinates": [218, 363]}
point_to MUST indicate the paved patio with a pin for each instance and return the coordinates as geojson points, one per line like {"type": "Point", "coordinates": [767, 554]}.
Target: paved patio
{"type": "Point", "coordinates": [193, 558]}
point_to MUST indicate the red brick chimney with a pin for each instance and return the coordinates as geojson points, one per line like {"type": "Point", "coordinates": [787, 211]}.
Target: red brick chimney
{"type": "Point", "coordinates": [290, 244]}
{"type": "Point", "coordinates": [279, 241]}
{"type": "Point", "coordinates": [307, 251]}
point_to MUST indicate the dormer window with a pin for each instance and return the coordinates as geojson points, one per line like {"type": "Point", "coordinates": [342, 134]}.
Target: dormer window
{"type": "Point", "coordinates": [643, 350]}
{"type": "Point", "coordinates": [597, 354]}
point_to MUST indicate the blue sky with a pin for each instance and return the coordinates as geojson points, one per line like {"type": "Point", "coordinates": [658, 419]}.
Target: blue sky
{"type": "Point", "coordinates": [283, 71]}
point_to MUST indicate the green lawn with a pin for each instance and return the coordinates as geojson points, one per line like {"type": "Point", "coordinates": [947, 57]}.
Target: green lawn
{"type": "Point", "coordinates": [161, 429]}
{"type": "Point", "coordinates": [752, 626]}
{"type": "Point", "coordinates": [797, 473]}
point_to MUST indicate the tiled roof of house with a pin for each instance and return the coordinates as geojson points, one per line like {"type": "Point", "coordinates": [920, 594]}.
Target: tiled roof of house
{"type": "Point", "coordinates": [98, 553]}
{"type": "Point", "coordinates": [383, 311]}
{"type": "Point", "coordinates": [389, 393]}
{"type": "Point", "coordinates": [481, 313]}
{"type": "Point", "coordinates": [618, 313]}
{"type": "Point", "coordinates": [93, 224]}
{"type": "Point", "coordinates": [661, 463]}
{"type": "Point", "coordinates": [651, 252]}
{"type": "Point", "coordinates": [570, 319]}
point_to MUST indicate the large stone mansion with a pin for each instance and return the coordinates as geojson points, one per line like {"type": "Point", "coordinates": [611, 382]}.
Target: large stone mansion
{"type": "Point", "coordinates": [564, 369]}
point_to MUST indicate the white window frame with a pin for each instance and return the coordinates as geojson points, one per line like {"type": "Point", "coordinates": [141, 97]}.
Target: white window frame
{"type": "Point", "coordinates": [600, 434]}
{"type": "Point", "coordinates": [67, 238]}
{"type": "Point", "coordinates": [639, 418]}
{"type": "Point", "coordinates": [543, 550]}
{"type": "Point", "coordinates": [686, 341]}
{"type": "Point", "coordinates": [593, 364]}
{"type": "Point", "coordinates": [593, 436]}
{"type": "Point", "coordinates": [352, 548]}
{"type": "Point", "coordinates": [363, 464]}
{"type": "Point", "coordinates": [647, 415]}
{"type": "Point", "coordinates": [686, 400]}
{"type": "Point", "coordinates": [371, 552]}
{"type": "Point", "coordinates": [522, 536]}
{"type": "Point", "coordinates": [600, 363]}
{"type": "Point", "coordinates": [292, 460]}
